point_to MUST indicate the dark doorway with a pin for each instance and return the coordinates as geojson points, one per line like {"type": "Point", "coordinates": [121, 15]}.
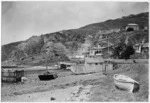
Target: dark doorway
{"type": "Point", "coordinates": [130, 29]}
{"type": "Point", "coordinates": [63, 66]}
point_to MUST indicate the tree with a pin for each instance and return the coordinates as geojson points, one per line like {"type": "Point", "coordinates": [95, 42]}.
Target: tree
{"type": "Point", "coordinates": [127, 52]}
{"type": "Point", "coordinates": [118, 50]}
{"type": "Point", "coordinates": [123, 51]}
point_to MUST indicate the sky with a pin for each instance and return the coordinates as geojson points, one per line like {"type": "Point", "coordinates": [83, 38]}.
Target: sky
{"type": "Point", "coordinates": [22, 19]}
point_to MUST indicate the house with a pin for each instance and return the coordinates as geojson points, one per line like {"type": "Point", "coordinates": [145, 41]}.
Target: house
{"type": "Point", "coordinates": [137, 48]}
{"type": "Point", "coordinates": [98, 64]}
{"type": "Point", "coordinates": [86, 54]}
{"type": "Point", "coordinates": [145, 48]}
{"type": "Point", "coordinates": [102, 50]}
{"type": "Point", "coordinates": [132, 27]}
{"type": "Point", "coordinates": [96, 51]}
{"type": "Point", "coordinates": [141, 48]}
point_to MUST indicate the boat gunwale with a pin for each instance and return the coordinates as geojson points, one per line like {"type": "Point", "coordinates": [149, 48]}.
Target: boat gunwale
{"type": "Point", "coordinates": [124, 81]}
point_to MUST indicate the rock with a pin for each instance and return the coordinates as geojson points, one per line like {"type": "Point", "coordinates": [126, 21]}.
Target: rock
{"type": "Point", "coordinates": [52, 98]}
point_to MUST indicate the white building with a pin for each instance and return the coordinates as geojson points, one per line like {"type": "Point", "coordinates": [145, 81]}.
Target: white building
{"type": "Point", "coordinates": [132, 27]}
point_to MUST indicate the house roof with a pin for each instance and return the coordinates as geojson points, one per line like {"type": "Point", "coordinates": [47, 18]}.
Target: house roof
{"type": "Point", "coordinates": [67, 62]}
{"type": "Point", "coordinates": [143, 45]}
{"type": "Point", "coordinates": [98, 48]}
{"type": "Point", "coordinates": [132, 24]}
{"type": "Point", "coordinates": [101, 48]}
{"type": "Point", "coordinates": [94, 60]}
{"type": "Point", "coordinates": [137, 44]}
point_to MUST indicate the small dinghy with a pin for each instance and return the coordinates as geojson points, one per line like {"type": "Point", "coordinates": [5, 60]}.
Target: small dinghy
{"type": "Point", "coordinates": [48, 76]}
{"type": "Point", "coordinates": [126, 83]}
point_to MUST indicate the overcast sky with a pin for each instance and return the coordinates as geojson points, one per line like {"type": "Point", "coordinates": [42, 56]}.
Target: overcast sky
{"type": "Point", "coordinates": [21, 20]}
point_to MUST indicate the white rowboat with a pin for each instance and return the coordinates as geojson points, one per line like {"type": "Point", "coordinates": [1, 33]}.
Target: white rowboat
{"type": "Point", "coordinates": [125, 83]}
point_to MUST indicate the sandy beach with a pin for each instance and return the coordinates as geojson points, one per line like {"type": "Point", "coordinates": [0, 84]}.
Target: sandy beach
{"type": "Point", "coordinates": [69, 87]}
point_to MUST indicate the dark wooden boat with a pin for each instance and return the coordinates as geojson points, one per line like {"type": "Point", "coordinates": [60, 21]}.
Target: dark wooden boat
{"type": "Point", "coordinates": [47, 76]}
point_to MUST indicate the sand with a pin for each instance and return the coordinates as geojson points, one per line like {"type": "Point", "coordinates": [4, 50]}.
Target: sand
{"type": "Point", "coordinates": [68, 94]}
{"type": "Point", "coordinates": [63, 88]}
{"type": "Point", "coordinates": [69, 87]}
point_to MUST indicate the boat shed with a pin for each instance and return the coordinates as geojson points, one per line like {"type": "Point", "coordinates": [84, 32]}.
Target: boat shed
{"type": "Point", "coordinates": [66, 65]}
{"type": "Point", "coordinates": [92, 65]}
{"type": "Point", "coordinates": [98, 65]}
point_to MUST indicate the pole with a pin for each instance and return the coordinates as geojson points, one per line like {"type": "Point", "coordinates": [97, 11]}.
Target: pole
{"type": "Point", "coordinates": [46, 57]}
{"type": "Point", "coordinates": [108, 46]}
{"type": "Point", "coordinates": [46, 62]}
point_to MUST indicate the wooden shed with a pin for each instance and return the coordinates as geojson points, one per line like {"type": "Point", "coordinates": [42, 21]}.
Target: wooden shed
{"type": "Point", "coordinates": [66, 65]}
{"type": "Point", "coordinates": [92, 65]}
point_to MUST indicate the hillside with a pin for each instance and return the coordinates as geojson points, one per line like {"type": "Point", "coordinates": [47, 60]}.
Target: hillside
{"type": "Point", "coordinates": [63, 44]}
{"type": "Point", "coordinates": [7, 49]}
{"type": "Point", "coordinates": [140, 19]}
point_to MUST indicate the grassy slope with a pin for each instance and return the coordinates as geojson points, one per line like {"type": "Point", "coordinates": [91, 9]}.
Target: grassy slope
{"type": "Point", "coordinates": [106, 90]}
